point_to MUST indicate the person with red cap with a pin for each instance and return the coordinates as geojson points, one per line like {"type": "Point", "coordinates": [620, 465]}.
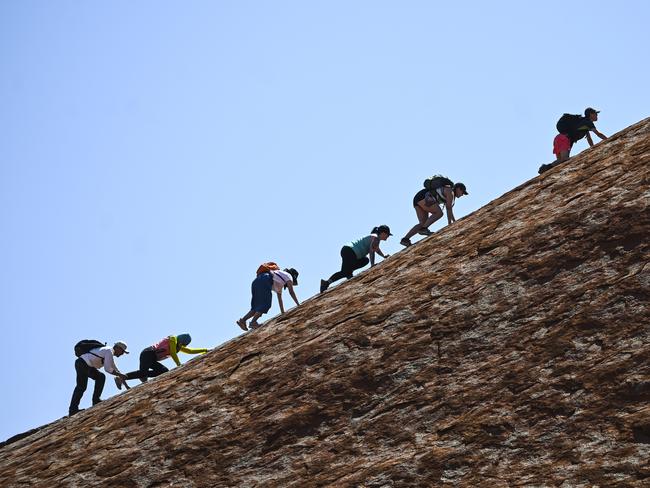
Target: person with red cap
{"type": "Point", "coordinates": [571, 129]}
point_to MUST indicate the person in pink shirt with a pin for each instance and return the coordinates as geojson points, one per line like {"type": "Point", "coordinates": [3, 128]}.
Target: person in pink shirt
{"type": "Point", "coordinates": [150, 357]}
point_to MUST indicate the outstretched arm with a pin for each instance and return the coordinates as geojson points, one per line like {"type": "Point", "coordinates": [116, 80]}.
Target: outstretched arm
{"type": "Point", "coordinates": [280, 302]}
{"type": "Point", "coordinates": [188, 350]}
{"type": "Point", "coordinates": [602, 136]}
{"type": "Point", "coordinates": [449, 200]}
{"type": "Point", "coordinates": [292, 293]}
{"type": "Point", "coordinates": [589, 140]}
{"type": "Point", "coordinates": [374, 248]}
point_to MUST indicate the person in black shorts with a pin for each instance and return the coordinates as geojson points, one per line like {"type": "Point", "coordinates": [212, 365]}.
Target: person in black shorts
{"type": "Point", "coordinates": [427, 208]}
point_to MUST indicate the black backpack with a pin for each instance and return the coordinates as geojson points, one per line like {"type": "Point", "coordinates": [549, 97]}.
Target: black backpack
{"type": "Point", "coordinates": [568, 123]}
{"type": "Point", "coordinates": [86, 345]}
{"type": "Point", "coordinates": [437, 181]}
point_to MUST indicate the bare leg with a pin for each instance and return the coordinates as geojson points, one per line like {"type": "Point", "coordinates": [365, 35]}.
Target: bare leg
{"type": "Point", "coordinates": [563, 156]}
{"type": "Point", "coordinates": [242, 322]}
{"type": "Point", "coordinates": [424, 221]}
{"type": "Point", "coordinates": [254, 324]}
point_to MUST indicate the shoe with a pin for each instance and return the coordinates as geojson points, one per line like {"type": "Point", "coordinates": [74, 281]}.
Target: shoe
{"type": "Point", "coordinates": [144, 380]}
{"type": "Point", "coordinates": [242, 324]}
{"type": "Point", "coordinates": [324, 285]}
{"type": "Point", "coordinates": [72, 412]}
{"type": "Point", "coordinates": [425, 232]}
{"type": "Point", "coordinates": [118, 382]}
{"type": "Point", "coordinates": [254, 325]}
{"type": "Point", "coordinates": [543, 168]}
{"type": "Point", "coordinates": [95, 402]}
{"type": "Point", "coordinates": [405, 242]}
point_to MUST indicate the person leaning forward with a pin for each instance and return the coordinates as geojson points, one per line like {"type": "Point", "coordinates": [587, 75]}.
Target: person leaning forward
{"type": "Point", "coordinates": [576, 128]}
{"type": "Point", "coordinates": [262, 287]}
{"type": "Point", "coordinates": [427, 205]}
{"type": "Point", "coordinates": [150, 357]}
{"type": "Point", "coordinates": [88, 365]}
{"type": "Point", "coordinates": [353, 254]}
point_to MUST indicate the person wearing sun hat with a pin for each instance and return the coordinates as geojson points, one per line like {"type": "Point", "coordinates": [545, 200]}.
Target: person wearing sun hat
{"type": "Point", "coordinates": [88, 365]}
{"type": "Point", "coordinates": [354, 254]}
{"type": "Point", "coordinates": [150, 357]}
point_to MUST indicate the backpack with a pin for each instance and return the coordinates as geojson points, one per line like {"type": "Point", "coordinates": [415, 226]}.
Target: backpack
{"type": "Point", "coordinates": [437, 181]}
{"type": "Point", "coordinates": [568, 123]}
{"type": "Point", "coordinates": [86, 345]}
{"type": "Point", "coordinates": [266, 267]}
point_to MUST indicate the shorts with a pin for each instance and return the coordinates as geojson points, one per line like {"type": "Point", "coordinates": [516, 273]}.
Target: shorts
{"type": "Point", "coordinates": [261, 291]}
{"type": "Point", "coordinates": [419, 196]}
{"type": "Point", "coordinates": [561, 143]}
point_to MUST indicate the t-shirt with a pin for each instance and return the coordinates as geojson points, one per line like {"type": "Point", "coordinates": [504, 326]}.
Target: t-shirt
{"type": "Point", "coordinates": [584, 125]}
{"type": "Point", "coordinates": [100, 356]}
{"type": "Point", "coordinates": [280, 278]}
{"type": "Point", "coordinates": [361, 246]}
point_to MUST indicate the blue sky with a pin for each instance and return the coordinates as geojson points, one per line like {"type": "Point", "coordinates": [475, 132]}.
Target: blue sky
{"type": "Point", "coordinates": [152, 154]}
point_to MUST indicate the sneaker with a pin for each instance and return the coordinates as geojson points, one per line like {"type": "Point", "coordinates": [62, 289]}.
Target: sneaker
{"type": "Point", "coordinates": [324, 285]}
{"type": "Point", "coordinates": [144, 380]}
{"type": "Point", "coordinates": [425, 232]}
{"type": "Point", "coordinates": [543, 168]}
{"type": "Point", "coordinates": [242, 324]}
{"type": "Point", "coordinates": [72, 412]}
{"type": "Point", "coordinates": [254, 325]}
{"type": "Point", "coordinates": [118, 382]}
{"type": "Point", "coordinates": [405, 242]}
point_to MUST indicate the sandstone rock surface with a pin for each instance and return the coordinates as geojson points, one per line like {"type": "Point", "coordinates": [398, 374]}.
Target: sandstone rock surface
{"type": "Point", "coordinates": [510, 349]}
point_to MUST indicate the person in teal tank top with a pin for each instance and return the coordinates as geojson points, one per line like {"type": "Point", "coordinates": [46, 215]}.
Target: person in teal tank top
{"type": "Point", "coordinates": [354, 253]}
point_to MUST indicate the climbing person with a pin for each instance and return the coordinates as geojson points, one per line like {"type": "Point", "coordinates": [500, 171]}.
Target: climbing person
{"type": "Point", "coordinates": [91, 356]}
{"type": "Point", "coordinates": [571, 129]}
{"type": "Point", "coordinates": [150, 357]}
{"type": "Point", "coordinates": [269, 278]}
{"type": "Point", "coordinates": [438, 190]}
{"type": "Point", "coordinates": [353, 254]}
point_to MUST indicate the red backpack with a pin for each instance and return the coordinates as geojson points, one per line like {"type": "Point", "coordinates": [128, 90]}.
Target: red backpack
{"type": "Point", "coordinates": [266, 267]}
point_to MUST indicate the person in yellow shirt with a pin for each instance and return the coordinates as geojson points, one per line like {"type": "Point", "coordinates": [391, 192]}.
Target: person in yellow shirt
{"type": "Point", "coordinates": [150, 357]}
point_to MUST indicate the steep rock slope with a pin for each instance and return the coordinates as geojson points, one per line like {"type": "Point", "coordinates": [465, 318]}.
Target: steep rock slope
{"type": "Point", "coordinates": [510, 349]}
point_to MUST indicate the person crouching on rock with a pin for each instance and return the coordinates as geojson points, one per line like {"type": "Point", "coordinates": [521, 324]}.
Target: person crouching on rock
{"type": "Point", "coordinates": [353, 254]}
{"type": "Point", "coordinates": [427, 203]}
{"type": "Point", "coordinates": [272, 280]}
{"type": "Point", "coordinates": [150, 357]}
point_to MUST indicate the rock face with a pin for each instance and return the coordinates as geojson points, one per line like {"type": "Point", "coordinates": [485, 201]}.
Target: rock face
{"type": "Point", "coordinates": [510, 349]}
